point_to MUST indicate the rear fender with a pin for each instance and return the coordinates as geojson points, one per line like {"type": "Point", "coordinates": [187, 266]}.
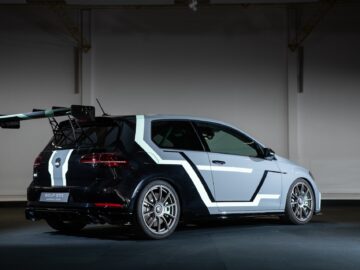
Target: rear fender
{"type": "Point", "coordinates": [142, 183]}
{"type": "Point", "coordinates": [190, 202]}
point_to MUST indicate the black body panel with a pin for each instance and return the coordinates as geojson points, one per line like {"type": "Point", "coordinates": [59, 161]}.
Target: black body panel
{"type": "Point", "coordinates": [84, 211]}
{"type": "Point", "coordinates": [88, 184]}
{"type": "Point", "coordinates": [124, 190]}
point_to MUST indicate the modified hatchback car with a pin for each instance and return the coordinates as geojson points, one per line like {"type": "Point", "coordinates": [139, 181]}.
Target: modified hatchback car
{"type": "Point", "coordinates": [153, 170]}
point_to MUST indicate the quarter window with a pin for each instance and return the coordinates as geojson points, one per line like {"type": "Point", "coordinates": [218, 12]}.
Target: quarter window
{"type": "Point", "coordinates": [175, 135]}
{"type": "Point", "coordinates": [222, 139]}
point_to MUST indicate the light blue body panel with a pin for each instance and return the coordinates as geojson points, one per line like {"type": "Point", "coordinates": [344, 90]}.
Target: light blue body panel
{"type": "Point", "coordinates": [293, 172]}
{"type": "Point", "coordinates": [199, 158]}
{"type": "Point", "coordinates": [241, 185]}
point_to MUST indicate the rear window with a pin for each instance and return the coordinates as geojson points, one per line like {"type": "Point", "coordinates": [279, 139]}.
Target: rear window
{"type": "Point", "coordinates": [109, 135]}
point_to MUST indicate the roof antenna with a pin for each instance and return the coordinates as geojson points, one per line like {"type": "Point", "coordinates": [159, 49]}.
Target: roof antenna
{"type": "Point", "coordinates": [102, 109]}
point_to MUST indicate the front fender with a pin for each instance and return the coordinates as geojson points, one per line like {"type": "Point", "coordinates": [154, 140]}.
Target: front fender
{"type": "Point", "coordinates": [291, 176]}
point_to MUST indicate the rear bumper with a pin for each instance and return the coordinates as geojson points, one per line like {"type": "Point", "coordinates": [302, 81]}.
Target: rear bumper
{"type": "Point", "coordinates": [94, 204]}
{"type": "Point", "coordinates": [84, 211]}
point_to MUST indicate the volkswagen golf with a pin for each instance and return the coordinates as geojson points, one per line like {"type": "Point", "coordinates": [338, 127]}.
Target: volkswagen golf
{"type": "Point", "coordinates": [153, 170]}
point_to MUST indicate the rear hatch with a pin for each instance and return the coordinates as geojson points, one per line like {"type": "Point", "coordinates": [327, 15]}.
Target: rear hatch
{"type": "Point", "coordinates": [86, 154]}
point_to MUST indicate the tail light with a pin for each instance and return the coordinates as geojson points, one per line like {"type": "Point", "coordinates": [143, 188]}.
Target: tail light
{"type": "Point", "coordinates": [109, 205]}
{"type": "Point", "coordinates": [107, 159]}
{"type": "Point", "coordinates": [37, 161]}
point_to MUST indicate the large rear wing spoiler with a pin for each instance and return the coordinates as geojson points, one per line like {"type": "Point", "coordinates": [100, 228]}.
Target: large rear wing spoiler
{"type": "Point", "coordinates": [79, 112]}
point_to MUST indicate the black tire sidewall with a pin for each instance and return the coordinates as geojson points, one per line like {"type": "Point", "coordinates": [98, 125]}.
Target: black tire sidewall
{"type": "Point", "coordinates": [289, 214]}
{"type": "Point", "coordinates": [142, 229]}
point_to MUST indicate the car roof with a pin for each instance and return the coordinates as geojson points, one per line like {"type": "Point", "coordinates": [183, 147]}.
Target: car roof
{"type": "Point", "coordinates": [173, 117]}
{"type": "Point", "coordinates": [187, 117]}
{"type": "Point", "coordinates": [181, 117]}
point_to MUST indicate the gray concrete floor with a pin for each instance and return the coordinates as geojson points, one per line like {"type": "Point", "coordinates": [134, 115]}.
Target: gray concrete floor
{"type": "Point", "coordinates": [330, 241]}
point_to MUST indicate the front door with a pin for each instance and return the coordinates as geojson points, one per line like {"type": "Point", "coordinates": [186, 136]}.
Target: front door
{"type": "Point", "coordinates": [243, 179]}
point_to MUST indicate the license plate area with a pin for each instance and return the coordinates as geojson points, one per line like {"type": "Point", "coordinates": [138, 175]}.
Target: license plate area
{"type": "Point", "coordinates": [58, 197]}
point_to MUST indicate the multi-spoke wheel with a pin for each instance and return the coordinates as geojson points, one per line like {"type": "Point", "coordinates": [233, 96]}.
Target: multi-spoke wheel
{"type": "Point", "coordinates": [158, 210]}
{"type": "Point", "coordinates": [300, 202]}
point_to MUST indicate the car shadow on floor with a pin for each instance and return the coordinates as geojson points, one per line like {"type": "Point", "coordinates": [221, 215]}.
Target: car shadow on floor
{"type": "Point", "coordinates": [128, 233]}
{"type": "Point", "coordinates": [102, 232]}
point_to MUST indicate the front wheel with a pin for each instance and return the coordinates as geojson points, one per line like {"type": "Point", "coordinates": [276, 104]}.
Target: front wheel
{"type": "Point", "coordinates": [300, 203]}
{"type": "Point", "coordinates": [158, 210]}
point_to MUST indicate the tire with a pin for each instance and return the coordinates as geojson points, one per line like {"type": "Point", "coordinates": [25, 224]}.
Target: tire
{"type": "Point", "coordinates": [157, 210]}
{"type": "Point", "coordinates": [300, 203]}
{"type": "Point", "coordinates": [71, 226]}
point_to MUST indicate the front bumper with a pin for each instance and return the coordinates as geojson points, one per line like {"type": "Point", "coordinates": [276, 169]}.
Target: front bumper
{"type": "Point", "coordinates": [84, 211]}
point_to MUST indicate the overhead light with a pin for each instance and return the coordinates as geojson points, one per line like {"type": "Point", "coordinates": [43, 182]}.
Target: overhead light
{"type": "Point", "coordinates": [193, 5]}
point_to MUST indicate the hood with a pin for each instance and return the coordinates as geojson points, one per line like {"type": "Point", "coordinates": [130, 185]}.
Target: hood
{"type": "Point", "coordinates": [289, 166]}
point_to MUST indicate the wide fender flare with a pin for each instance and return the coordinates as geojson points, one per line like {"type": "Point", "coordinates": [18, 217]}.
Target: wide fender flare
{"type": "Point", "coordinates": [145, 181]}
{"type": "Point", "coordinates": [288, 179]}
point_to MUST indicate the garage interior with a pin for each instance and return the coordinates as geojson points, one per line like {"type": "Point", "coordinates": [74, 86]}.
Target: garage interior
{"type": "Point", "coordinates": [286, 72]}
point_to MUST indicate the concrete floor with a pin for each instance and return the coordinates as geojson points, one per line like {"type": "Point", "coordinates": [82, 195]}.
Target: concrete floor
{"type": "Point", "coordinates": [330, 241]}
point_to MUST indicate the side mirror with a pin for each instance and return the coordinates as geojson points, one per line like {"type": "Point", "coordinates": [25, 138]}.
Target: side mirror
{"type": "Point", "coordinates": [269, 154]}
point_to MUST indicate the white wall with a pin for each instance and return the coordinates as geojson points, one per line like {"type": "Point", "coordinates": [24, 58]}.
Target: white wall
{"type": "Point", "coordinates": [180, 62]}
{"type": "Point", "coordinates": [329, 111]}
{"type": "Point", "coordinates": [36, 71]}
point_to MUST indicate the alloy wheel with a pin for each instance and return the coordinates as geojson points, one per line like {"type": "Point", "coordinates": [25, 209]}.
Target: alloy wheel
{"type": "Point", "coordinates": [302, 201]}
{"type": "Point", "coordinates": [159, 209]}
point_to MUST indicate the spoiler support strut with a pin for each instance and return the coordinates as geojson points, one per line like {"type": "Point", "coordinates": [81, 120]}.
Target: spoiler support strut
{"type": "Point", "coordinates": [75, 114]}
{"type": "Point", "coordinates": [79, 112]}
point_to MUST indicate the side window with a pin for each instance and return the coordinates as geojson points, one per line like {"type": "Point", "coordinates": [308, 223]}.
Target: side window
{"type": "Point", "coordinates": [175, 134]}
{"type": "Point", "coordinates": [224, 140]}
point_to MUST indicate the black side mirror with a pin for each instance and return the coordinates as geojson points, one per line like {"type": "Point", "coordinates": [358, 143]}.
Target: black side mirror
{"type": "Point", "coordinates": [269, 154]}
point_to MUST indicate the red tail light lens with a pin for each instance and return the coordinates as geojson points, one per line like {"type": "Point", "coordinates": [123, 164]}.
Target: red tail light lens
{"type": "Point", "coordinates": [109, 205]}
{"type": "Point", "coordinates": [107, 159]}
{"type": "Point", "coordinates": [37, 161]}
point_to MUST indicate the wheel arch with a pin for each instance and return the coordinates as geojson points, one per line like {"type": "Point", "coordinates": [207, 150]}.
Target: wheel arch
{"type": "Point", "coordinates": [310, 184]}
{"type": "Point", "coordinates": [313, 190]}
{"type": "Point", "coordinates": [143, 183]}
{"type": "Point", "coordinates": [289, 179]}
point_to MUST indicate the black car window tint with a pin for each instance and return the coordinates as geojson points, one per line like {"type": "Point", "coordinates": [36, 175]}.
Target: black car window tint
{"type": "Point", "coordinates": [175, 135]}
{"type": "Point", "coordinates": [118, 135]}
{"type": "Point", "coordinates": [224, 140]}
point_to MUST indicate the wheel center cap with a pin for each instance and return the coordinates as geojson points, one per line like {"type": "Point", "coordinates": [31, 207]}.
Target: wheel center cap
{"type": "Point", "coordinates": [158, 209]}
{"type": "Point", "coordinates": [301, 201]}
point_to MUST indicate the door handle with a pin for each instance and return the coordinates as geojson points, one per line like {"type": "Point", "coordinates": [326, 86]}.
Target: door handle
{"type": "Point", "coordinates": [221, 162]}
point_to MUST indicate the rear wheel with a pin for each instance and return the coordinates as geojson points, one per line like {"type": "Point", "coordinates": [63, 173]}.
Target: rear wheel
{"type": "Point", "coordinates": [158, 210]}
{"type": "Point", "coordinates": [300, 203]}
{"type": "Point", "coordinates": [70, 226]}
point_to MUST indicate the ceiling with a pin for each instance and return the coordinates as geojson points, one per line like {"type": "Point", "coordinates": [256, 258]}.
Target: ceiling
{"type": "Point", "coordinates": [153, 2]}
